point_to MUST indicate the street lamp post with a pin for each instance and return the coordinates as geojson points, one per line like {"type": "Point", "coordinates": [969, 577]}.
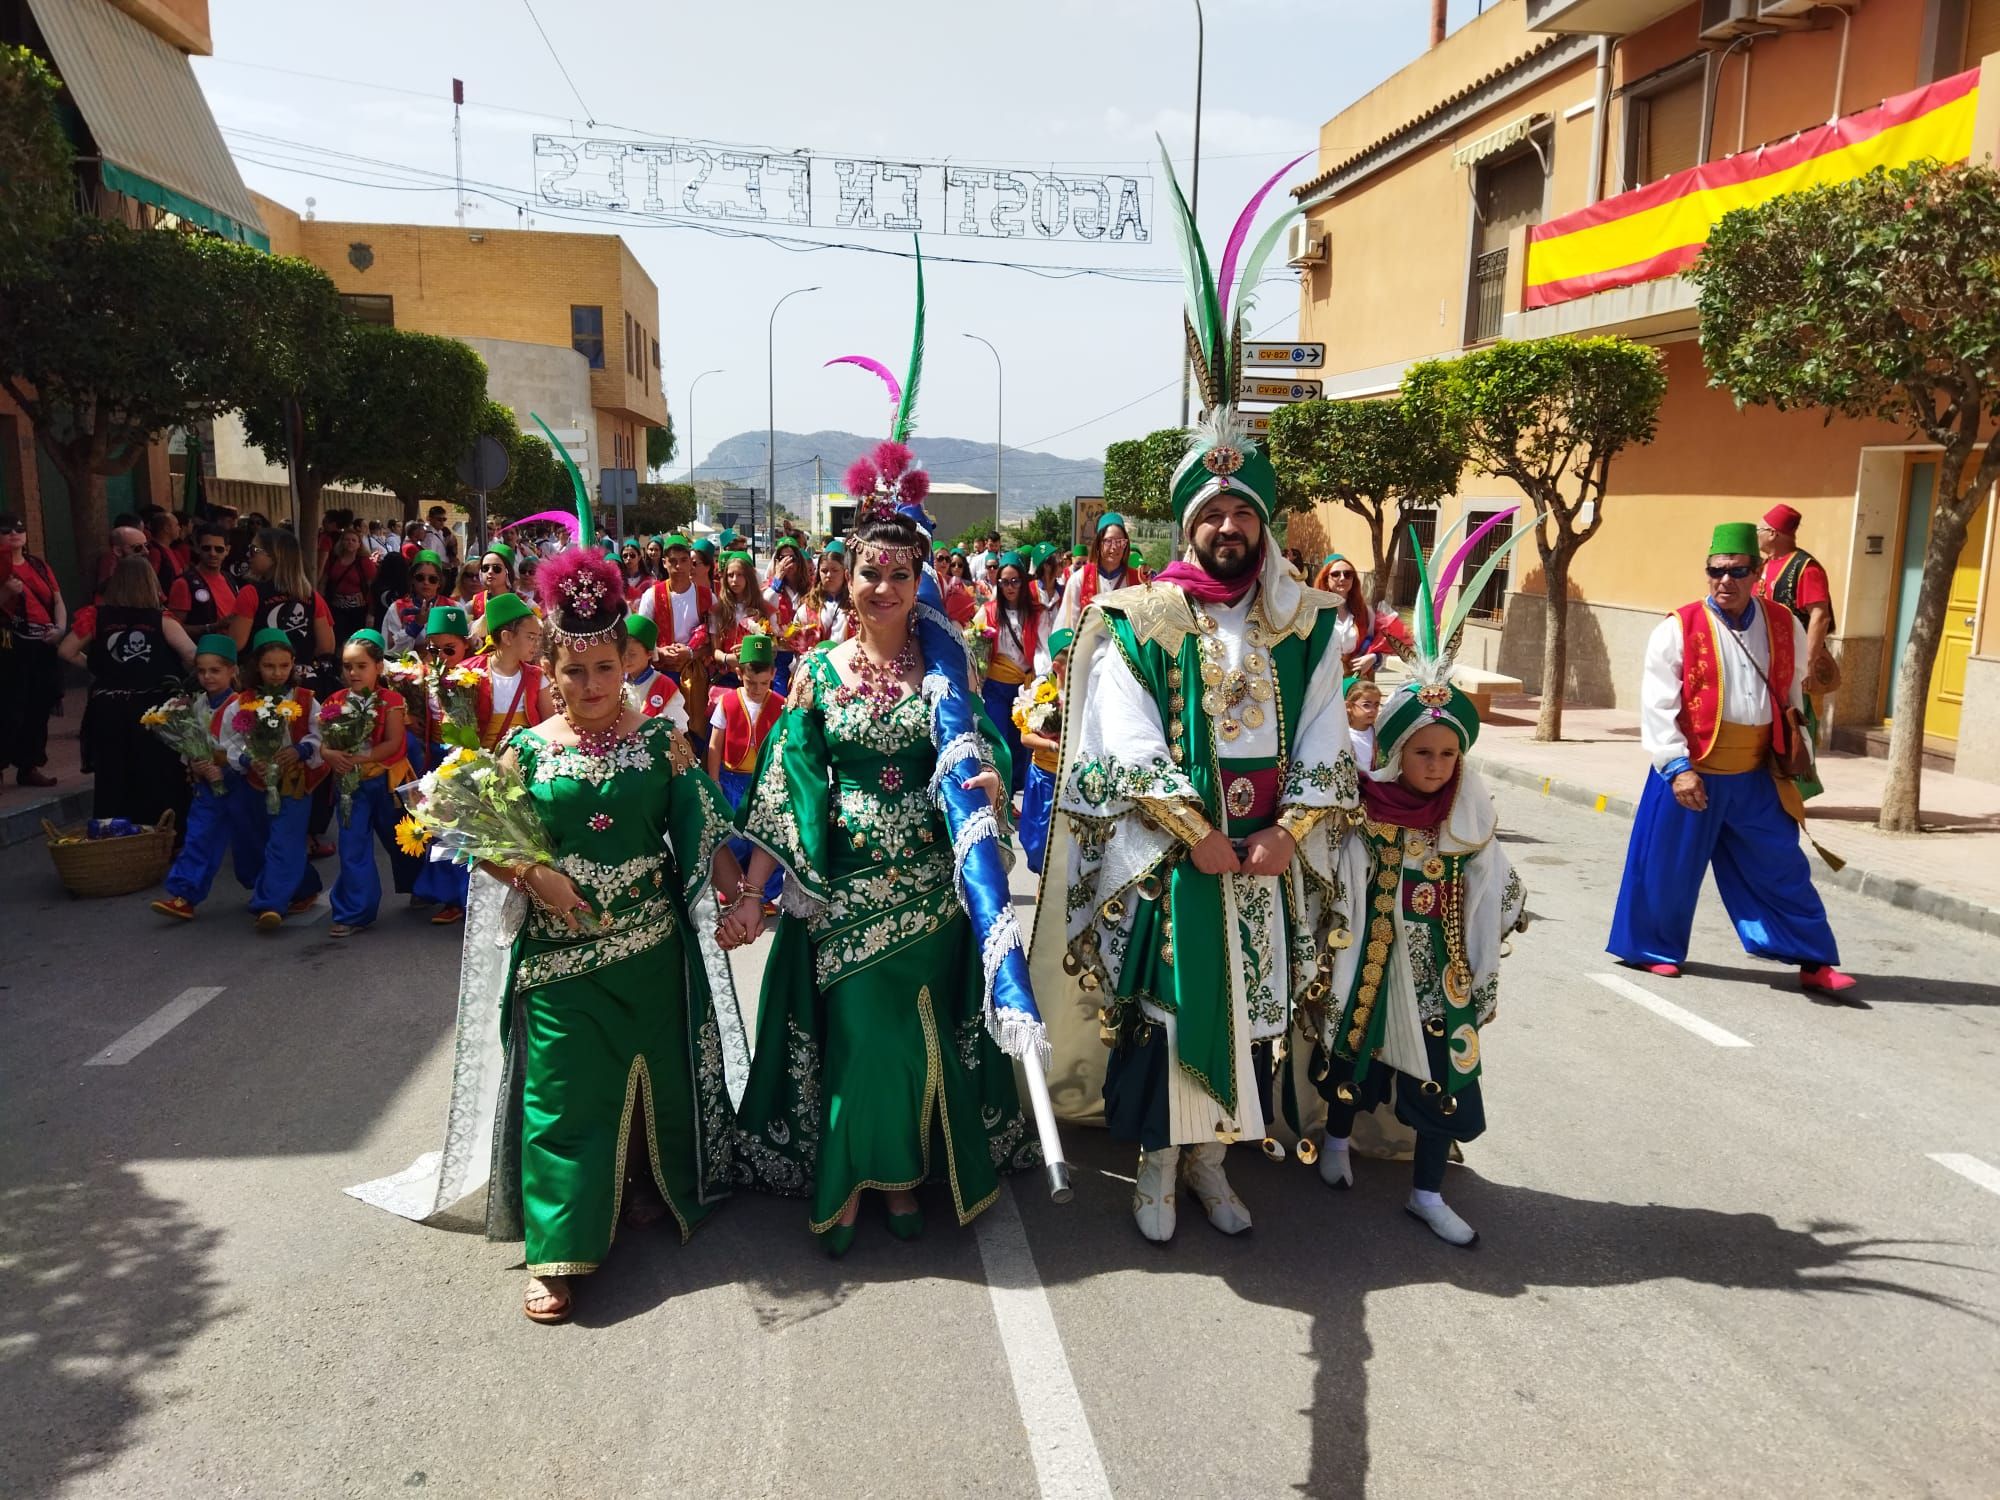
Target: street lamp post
{"type": "Point", "coordinates": [1194, 207]}
{"type": "Point", "coordinates": [690, 434]}
{"type": "Point", "coordinates": [771, 417]}
{"type": "Point", "coordinates": [999, 419]}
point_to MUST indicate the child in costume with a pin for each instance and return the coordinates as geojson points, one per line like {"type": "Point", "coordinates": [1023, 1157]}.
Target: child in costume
{"type": "Point", "coordinates": [287, 885]}
{"type": "Point", "coordinates": [1038, 717]}
{"type": "Point", "coordinates": [654, 691]}
{"type": "Point", "coordinates": [511, 683]}
{"type": "Point", "coordinates": [1408, 996]}
{"type": "Point", "coordinates": [743, 719]}
{"type": "Point", "coordinates": [447, 641]}
{"type": "Point", "coordinates": [216, 808]}
{"type": "Point", "coordinates": [1364, 705]}
{"type": "Point", "coordinates": [383, 767]}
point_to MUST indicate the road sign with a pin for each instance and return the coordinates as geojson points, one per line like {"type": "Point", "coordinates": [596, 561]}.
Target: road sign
{"type": "Point", "coordinates": [618, 486]}
{"type": "Point", "coordinates": [1282, 391]}
{"type": "Point", "coordinates": [1297, 356]}
{"type": "Point", "coordinates": [1259, 423]}
{"type": "Point", "coordinates": [483, 466]}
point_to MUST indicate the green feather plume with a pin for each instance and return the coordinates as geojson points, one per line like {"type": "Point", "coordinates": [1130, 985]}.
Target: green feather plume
{"type": "Point", "coordinates": [588, 535]}
{"type": "Point", "coordinates": [1468, 594]}
{"type": "Point", "coordinates": [1426, 616]}
{"type": "Point", "coordinates": [1203, 311]}
{"type": "Point", "coordinates": [906, 408]}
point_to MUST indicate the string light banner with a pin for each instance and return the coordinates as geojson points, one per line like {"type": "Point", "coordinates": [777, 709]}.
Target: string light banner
{"type": "Point", "coordinates": [685, 180]}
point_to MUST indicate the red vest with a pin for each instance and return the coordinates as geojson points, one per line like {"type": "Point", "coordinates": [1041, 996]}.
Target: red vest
{"type": "Point", "coordinates": [663, 614]}
{"type": "Point", "coordinates": [520, 716]}
{"type": "Point", "coordinates": [1031, 630]}
{"type": "Point", "coordinates": [739, 744]}
{"type": "Point", "coordinates": [1704, 659]}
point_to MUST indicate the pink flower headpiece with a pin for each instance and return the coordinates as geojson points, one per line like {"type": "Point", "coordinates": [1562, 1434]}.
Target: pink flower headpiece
{"type": "Point", "coordinates": [886, 481]}
{"type": "Point", "coordinates": [585, 595]}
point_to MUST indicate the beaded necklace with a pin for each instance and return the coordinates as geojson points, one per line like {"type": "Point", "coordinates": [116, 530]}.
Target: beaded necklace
{"type": "Point", "coordinates": [880, 682]}
{"type": "Point", "coordinates": [597, 743]}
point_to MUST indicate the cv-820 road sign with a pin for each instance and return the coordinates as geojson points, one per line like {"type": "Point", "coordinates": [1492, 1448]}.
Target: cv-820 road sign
{"type": "Point", "coordinates": [1283, 391]}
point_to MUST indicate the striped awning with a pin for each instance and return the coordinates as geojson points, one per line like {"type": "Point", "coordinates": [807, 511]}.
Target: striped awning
{"type": "Point", "coordinates": [1660, 229]}
{"type": "Point", "coordinates": [156, 140]}
{"type": "Point", "coordinates": [1495, 141]}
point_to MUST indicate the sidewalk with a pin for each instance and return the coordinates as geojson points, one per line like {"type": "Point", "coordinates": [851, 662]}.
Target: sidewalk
{"type": "Point", "coordinates": [1952, 871]}
{"type": "Point", "coordinates": [22, 808]}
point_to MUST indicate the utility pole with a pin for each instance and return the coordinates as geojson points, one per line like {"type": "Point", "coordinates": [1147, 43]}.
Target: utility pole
{"type": "Point", "coordinates": [458, 149]}
{"type": "Point", "coordinates": [819, 487]}
{"type": "Point", "coordinates": [999, 417]}
{"type": "Point", "coordinates": [771, 415]}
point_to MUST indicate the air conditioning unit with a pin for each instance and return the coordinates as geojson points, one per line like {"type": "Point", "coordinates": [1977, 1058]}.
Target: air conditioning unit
{"type": "Point", "coordinates": [1723, 19]}
{"type": "Point", "coordinates": [1303, 247]}
{"type": "Point", "coordinates": [1795, 10]}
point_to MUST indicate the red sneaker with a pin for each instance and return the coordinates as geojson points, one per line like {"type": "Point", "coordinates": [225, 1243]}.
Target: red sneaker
{"type": "Point", "coordinates": [1665, 971]}
{"type": "Point", "coordinates": [321, 849]}
{"type": "Point", "coordinates": [175, 906]}
{"type": "Point", "coordinates": [1826, 977]}
{"type": "Point", "coordinates": [446, 915]}
{"type": "Point", "coordinates": [301, 906]}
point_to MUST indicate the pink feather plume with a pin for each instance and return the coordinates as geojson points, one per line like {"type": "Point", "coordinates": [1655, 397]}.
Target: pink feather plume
{"type": "Point", "coordinates": [1446, 578]}
{"type": "Point", "coordinates": [861, 477]}
{"type": "Point", "coordinates": [914, 486]}
{"type": "Point", "coordinates": [560, 517]}
{"type": "Point", "coordinates": [1241, 232]}
{"type": "Point", "coordinates": [874, 367]}
{"type": "Point", "coordinates": [892, 459]}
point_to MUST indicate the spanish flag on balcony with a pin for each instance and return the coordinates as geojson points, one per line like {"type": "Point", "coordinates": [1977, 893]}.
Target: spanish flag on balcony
{"type": "Point", "coordinates": [1659, 229]}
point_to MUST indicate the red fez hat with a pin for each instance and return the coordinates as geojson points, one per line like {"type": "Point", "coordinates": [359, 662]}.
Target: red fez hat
{"type": "Point", "coordinates": [1782, 518]}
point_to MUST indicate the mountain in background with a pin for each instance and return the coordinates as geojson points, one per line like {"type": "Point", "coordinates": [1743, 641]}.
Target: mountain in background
{"type": "Point", "coordinates": [1028, 480]}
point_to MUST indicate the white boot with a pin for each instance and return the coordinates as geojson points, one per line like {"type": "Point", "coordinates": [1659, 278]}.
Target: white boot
{"type": "Point", "coordinates": [1153, 1193]}
{"type": "Point", "coordinates": [1336, 1165]}
{"type": "Point", "coordinates": [1204, 1176]}
{"type": "Point", "coordinates": [1445, 1224]}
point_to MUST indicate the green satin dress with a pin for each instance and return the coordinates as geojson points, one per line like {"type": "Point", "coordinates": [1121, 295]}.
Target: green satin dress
{"type": "Point", "coordinates": [619, 1017]}
{"type": "Point", "coordinates": [873, 1066]}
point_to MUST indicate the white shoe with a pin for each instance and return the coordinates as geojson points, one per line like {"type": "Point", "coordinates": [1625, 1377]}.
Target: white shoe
{"type": "Point", "coordinates": [1336, 1165]}
{"type": "Point", "coordinates": [1153, 1193]}
{"type": "Point", "coordinates": [1204, 1176]}
{"type": "Point", "coordinates": [1443, 1223]}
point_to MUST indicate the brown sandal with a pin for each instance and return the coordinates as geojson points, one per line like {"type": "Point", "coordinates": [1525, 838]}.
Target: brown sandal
{"type": "Point", "coordinates": [549, 1293]}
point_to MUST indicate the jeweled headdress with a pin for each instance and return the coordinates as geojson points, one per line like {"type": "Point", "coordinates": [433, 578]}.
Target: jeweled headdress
{"type": "Point", "coordinates": [888, 481]}
{"type": "Point", "coordinates": [584, 594]}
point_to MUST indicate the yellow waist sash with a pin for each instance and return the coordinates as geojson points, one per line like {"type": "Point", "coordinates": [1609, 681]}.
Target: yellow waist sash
{"type": "Point", "coordinates": [1747, 747]}
{"type": "Point", "coordinates": [1002, 670]}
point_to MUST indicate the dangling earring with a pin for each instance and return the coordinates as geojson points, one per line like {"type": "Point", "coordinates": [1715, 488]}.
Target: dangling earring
{"type": "Point", "coordinates": [556, 693]}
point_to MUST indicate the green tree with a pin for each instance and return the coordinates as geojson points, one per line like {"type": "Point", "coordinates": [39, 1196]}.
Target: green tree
{"type": "Point", "coordinates": [1139, 474]}
{"type": "Point", "coordinates": [1049, 523]}
{"type": "Point", "coordinates": [1549, 415]}
{"type": "Point", "coordinates": [36, 186]}
{"type": "Point", "coordinates": [384, 406]}
{"type": "Point", "coordinates": [128, 332]}
{"type": "Point", "coordinates": [1378, 459]}
{"type": "Point", "coordinates": [1876, 298]}
{"type": "Point", "coordinates": [536, 479]}
{"type": "Point", "coordinates": [661, 444]}
{"type": "Point", "coordinates": [662, 508]}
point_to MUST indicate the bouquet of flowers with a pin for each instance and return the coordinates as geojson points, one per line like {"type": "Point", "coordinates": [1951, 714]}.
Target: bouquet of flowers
{"type": "Point", "coordinates": [800, 636]}
{"type": "Point", "coordinates": [1039, 710]}
{"type": "Point", "coordinates": [979, 644]}
{"type": "Point", "coordinates": [474, 806]}
{"type": "Point", "coordinates": [350, 729]}
{"type": "Point", "coordinates": [182, 725]}
{"type": "Point", "coordinates": [266, 726]}
{"type": "Point", "coordinates": [454, 694]}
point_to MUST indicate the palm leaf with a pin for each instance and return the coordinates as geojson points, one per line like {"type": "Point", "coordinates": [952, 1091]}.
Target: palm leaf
{"type": "Point", "coordinates": [1203, 310]}
{"type": "Point", "coordinates": [587, 529]}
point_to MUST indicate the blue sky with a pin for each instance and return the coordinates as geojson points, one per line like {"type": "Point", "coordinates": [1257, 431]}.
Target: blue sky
{"type": "Point", "coordinates": [1060, 84]}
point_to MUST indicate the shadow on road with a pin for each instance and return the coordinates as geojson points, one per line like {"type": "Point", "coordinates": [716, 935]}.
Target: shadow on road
{"type": "Point", "coordinates": [105, 1284]}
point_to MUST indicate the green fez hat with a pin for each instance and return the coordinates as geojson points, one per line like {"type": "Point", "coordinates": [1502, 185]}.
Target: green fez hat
{"type": "Point", "coordinates": [644, 631]}
{"type": "Point", "coordinates": [500, 550]}
{"type": "Point", "coordinates": [428, 556]}
{"type": "Point", "coordinates": [447, 619]}
{"type": "Point", "coordinates": [1138, 557]}
{"type": "Point", "coordinates": [1060, 642]}
{"type": "Point", "coordinates": [216, 645]}
{"type": "Point", "coordinates": [673, 541]}
{"type": "Point", "coordinates": [1014, 560]}
{"type": "Point", "coordinates": [742, 557]}
{"type": "Point", "coordinates": [757, 650]}
{"type": "Point", "coordinates": [264, 639]}
{"type": "Point", "coordinates": [838, 548]}
{"type": "Point", "coordinates": [1079, 550]}
{"type": "Point", "coordinates": [1108, 519]}
{"type": "Point", "coordinates": [503, 610]}
{"type": "Point", "coordinates": [370, 637]}
{"type": "Point", "coordinates": [705, 547]}
{"type": "Point", "coordinates": [1331, 558]}
{"type": "Point", "coordinates": [1733, 537]}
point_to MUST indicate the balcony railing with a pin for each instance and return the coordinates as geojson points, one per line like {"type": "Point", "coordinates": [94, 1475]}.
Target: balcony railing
{"type": "Point", "coordinates": [1489, 295]}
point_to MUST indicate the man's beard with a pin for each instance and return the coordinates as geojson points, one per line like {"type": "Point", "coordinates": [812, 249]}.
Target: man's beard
{"type": "Point", "coordinates": [1226, 570]}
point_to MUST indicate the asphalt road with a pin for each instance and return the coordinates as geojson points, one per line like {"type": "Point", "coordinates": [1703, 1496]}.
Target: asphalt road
{"type": "Point", "coordinates": [1706, 1269]}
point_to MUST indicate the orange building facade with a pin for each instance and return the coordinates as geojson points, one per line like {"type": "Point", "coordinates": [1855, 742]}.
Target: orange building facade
{"type": "Point", "coordinates": [1550, 168]}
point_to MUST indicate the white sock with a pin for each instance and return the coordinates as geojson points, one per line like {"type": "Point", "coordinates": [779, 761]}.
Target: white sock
{"type": "Point", "coordinates": [1336, 1143]}
{"type": "Point", "coordinates": [1426, 1197]}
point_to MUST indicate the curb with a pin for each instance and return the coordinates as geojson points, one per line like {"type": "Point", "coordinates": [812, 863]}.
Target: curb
{"type": "Point", "coordinates": [20, 824]}
{"type": "Point", "coordinates": [1895, 890]}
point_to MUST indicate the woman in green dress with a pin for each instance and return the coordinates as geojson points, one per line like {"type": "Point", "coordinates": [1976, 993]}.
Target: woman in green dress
{"type": "Point", "coordinates": [872, 1042]}
{"type": "Point", "coordinates": [601, 1096]}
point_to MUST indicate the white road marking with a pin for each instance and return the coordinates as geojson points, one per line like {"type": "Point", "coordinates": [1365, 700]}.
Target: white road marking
{"type": "Point", "coordinates": [1687, 1020]}
{"type": "Point", "coordinates": [155, 1026]}
{"type": "Point", "coordinates": [1067, 1464]}
{"type": "Point", "coordinates": [1971, 1168]}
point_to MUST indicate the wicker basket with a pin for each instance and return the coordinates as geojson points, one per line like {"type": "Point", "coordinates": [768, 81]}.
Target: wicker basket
{"type": "Point", "coordinates": [111, 867]}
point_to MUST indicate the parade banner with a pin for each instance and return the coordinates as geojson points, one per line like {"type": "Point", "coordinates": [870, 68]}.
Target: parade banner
{"type": "Point", "coordinates": [1659, 229]}
{"type": "Point", "coordinates": [741, 185]}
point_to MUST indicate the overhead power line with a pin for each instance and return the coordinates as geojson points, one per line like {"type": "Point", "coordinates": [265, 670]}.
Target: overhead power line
{"type": "Point", "coordinates": [588, 118]}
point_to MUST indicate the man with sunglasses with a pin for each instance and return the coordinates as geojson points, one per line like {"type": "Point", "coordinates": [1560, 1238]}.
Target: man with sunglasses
{"type": "Point", "coordinates": [203, 595]}
{"type": "Point", "coordinates": [1721, 677]}
{"type": "Point", "coordinates": [33, 618]}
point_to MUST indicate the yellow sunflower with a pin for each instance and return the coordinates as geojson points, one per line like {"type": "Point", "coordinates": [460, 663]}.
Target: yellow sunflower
{"type": "Point", "coordinates": [411, 838]}
{"type": "Point", "coordinates": [289, 709]}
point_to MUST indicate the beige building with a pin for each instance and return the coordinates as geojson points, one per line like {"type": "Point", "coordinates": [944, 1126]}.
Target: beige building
{"type": "Point", "coordinates": [1535, 174]}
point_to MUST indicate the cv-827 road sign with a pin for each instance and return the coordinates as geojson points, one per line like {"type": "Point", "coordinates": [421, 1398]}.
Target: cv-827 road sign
{"type": "Point", "coordinates": [1283, 391]}
{"type": "Point", "coordinates": [1297, 356]}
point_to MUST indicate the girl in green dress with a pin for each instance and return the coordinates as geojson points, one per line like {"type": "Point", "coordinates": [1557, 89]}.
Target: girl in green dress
{"type": "Point", "coordinates": [874, 1066]}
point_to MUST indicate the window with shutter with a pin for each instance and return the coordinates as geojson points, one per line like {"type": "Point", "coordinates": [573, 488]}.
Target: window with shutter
{"type": "Point", "coordinates": [1982, 30]}
{"type": "Point", "coordinates": [1669, 131]}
